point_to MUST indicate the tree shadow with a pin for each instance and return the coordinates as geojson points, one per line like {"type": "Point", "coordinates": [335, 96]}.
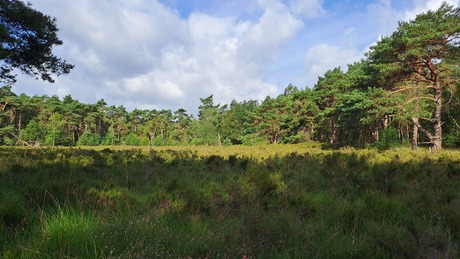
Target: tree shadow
{"type": "Point", "coordinates": [237, 206]}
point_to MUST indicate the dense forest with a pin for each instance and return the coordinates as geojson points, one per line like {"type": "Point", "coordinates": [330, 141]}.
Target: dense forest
{"type": "Point", "coordinates": [403, 92]}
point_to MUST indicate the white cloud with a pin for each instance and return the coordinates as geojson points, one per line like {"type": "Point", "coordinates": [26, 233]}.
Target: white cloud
{"type": "Point", "coordinates": [383, 16]}
{"type": "Point", "coordinates": [421, 6]}
{"type": "Point", "coordinates": [88, 58]}
{"type": "Point", "coordinates": [142, 53]}
{"type": "Point", "coordinates": [307, 8]}
{"type": "Point", "coordinates": [324, 57]}
{"type": "Point", "coordinates": [386, 16]}
{"type": "Point", "coordinates": [277, 25]}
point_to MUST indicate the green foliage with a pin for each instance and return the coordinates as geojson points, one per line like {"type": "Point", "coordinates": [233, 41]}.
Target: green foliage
{"type": "Point", "coordinates": [32, 132]}
{"type": "Point", "coordinates": [237, 121]}
{"type": "Point", "coordinates": [418, 62]}
{"type": "Point", "coordinates": [13, 209]}
{"type": "Point", "coordinates": [452, 140]}
{"type": "Point", "coordinates": [27, 37]}
{"type": "Point", "coordinates": [108, 139]}
{"type": "Point", "coordinates": [158, 141]}
{"type": "Point", "coordinates": [6, 137]}
{"type": "Point", "coordinates": [403, 81]}
{"type": "Point", "coordinates": [68, 232]}
{"type": "Point", "coordinates": [209, 119]}
{"type": "Point", "coordinates": [253, 140]}
{"type": "Point", "coordinates": [388, 138]}
{"type": "Point", "coordinates": [144, 141]}
{"type": "Point", "coordinates": [271, 119]}
{"type": "Point", "coordinates": [89, 139]}
{"type": "Point", "coordinates": [228, 202]}
{"type": "Point", "coordinates": [227, 142]}
{"type": "Point", "coordinates": [131, 139]}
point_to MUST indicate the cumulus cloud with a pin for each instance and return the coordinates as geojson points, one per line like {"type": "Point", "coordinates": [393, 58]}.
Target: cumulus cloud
{"type": "Point", "coordinates": [324, 57]}
{"type": "Point", "coordinates": [159, 54]}
{"type": "Point", "coordinates": [307, 8]}
{"type": "Point", "coordinates": [145, 54]}
{"type": "Point", "coordinates": [422, 6]}
{"type": "Point", "coordinates": [383, 16]}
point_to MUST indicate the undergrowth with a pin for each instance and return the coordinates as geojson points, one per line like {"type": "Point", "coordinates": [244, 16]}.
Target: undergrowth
{"type": "Point", "coordinates": [287, 201]}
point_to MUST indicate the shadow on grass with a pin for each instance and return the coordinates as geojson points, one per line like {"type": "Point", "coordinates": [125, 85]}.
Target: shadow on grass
{"type": "Point", "coordinates": [133, 203]}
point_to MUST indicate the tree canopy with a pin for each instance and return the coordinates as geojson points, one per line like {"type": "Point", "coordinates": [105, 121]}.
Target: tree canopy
{"type": "Point", "coordinates": [26, 40]}
{"type": "Point", "coordinates": [407, 83]}
{"type": "Point", "coordinates": [421, 59]}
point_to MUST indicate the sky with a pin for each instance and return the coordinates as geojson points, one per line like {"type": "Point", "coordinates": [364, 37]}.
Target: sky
{"type": "Point", "coordinates": [167, 54]}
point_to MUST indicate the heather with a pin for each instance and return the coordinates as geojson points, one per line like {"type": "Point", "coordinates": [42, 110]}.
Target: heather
{"type": "Point", "coordinates": [269, 201]}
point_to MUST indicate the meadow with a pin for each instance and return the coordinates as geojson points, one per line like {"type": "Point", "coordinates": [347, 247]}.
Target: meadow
{"type": "Point", "coordinates": [271, 201]}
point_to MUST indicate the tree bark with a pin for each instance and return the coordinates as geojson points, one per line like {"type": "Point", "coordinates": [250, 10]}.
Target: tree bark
{"type": "Point", "coordinates": [333, 136]}
{"type": "Point", "coordinates": [428, 134]}
{"type": "Point", "coordinates": [437, 138]}
{"type": "Point", "coordinates": [375, 134]}
{"type": "Point", "coordinates": [415, 134]}
{"type": "Point", "coordinates": [19, 125]}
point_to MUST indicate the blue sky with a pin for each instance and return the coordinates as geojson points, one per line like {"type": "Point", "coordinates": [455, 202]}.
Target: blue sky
{"type": "Point", "coordinates": [166, 54]}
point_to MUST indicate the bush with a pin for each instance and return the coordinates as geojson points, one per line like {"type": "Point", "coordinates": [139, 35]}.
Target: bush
{"type": "Point", "coordinates": [388, 138]}
{"type": "Point", "coordinates": [227, 142]}
{"type": "Point", "coordinates": [131, 139]}
{"type": "Point", "coordinates": [89, 139]}
{"type": "Point", "coordinates": [158, 141]}
{"type": "Point", "coordinates": [452, 140]}
{"type": "Point", "coordinates": [253, 140]}
{"type": "Point", "coordinates": [108, 139]}
{"type": "Point", "coordinates": [32, 132]}
{"type": "Point", "coordinates": [144, 141]}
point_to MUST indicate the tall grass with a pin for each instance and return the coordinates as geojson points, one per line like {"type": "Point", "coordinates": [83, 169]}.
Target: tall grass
{"type": "Point", "coordinates": [292, 201]}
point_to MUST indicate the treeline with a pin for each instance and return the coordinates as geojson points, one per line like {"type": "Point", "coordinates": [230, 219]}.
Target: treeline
{"type": "Point", "coordinates": [404, 91]}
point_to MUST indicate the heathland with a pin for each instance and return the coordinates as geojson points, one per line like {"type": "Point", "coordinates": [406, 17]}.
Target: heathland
{"type": "Point", "coordinates": [277, 201]}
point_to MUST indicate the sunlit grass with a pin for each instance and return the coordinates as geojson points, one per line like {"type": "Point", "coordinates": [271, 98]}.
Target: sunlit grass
{"type": "Point", "coordinates": [68, 232]}
{"type": "Point", "coordinates": [277, 201]}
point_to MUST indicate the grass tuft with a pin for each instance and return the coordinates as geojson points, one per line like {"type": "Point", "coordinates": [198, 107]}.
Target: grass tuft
{"type": "Point", "coordinates": [278, 201]}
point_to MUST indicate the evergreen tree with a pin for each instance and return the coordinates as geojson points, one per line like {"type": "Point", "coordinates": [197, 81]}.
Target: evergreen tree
{"type": "Point", "coordinates": [27, 37]}
{"type": "Point", "coordinates": [271, 117]}
{"type": "Point", "coordinates": [237, 121]}
{"type": "Point", "coordinates": [327, 90]}
{"type": "Point", "coordinates": [209, 121]}
{"type": "Point", "coordinates": [421, 57]}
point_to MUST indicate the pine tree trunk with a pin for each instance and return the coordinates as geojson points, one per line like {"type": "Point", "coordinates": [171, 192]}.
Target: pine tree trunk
{"type": "Point", "coordinates": [437, 138]}
{"type": "Point", "coordinates": [54, 134]}
{"type": "Point", "coordinates": [415, 134]}
{"type": "Point", "coordinates": [19, 125]}
{"type": "Point", "coordinates": [386, 121]}
{"type": "Point", "coordinates": [333, 137]}
{"type": "Point", "coordinates": [375, 134]}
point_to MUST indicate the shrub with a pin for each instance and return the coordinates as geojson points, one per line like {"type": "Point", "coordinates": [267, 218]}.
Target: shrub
{"type": "Point", "coordinates": [452, 140]}
{"type": "Point", "coordinates": [32, 132]}
{"type": "Point", "coordinates": [89, 139]}
{"type": "Point", "coordinates": [253, 140]}
{"type": "Point", "coordinates": [144, 141]}
{"type": "Point", "coordinates": [158, 141]}
{"type": "Point", "coordinates": [388, 138]}
{"type": "Point", "coordinates": [131, 139]}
